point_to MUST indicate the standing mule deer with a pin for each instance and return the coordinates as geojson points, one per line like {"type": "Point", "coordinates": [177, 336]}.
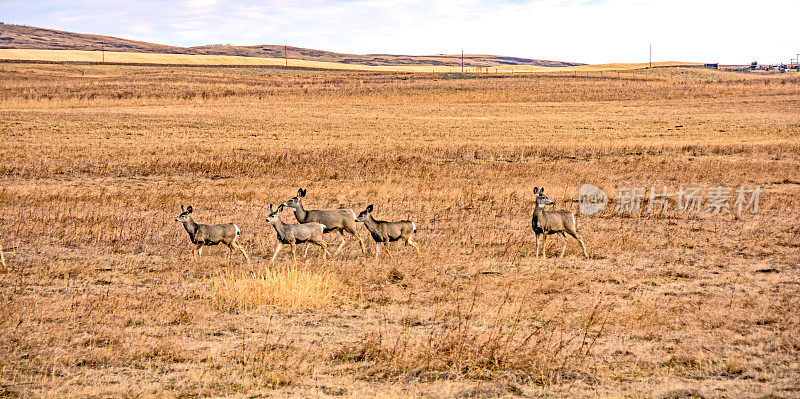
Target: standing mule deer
{"type": "Point", "coordinates": [294, 234]}
{"type": "Point", "coordinates": [207, 234]}
{"type": "Point", "coordinates": [333, 219]}
{"type": "Point", "coordinates": [545, 223]}
{"type": "Point", "coordinates": [386, 232]}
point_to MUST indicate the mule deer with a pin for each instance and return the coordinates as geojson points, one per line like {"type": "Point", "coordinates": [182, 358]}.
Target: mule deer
{"type": "Point", "coordinates": [333, 219]}
{"type": "Point", "coordinates": [293, 234]}
{"type": "Point", "coordinates": [545, 223]}
{"type": "Point", "coordinates": [207, 234]}
{"type": "Point", "coordinates": [386, 232]}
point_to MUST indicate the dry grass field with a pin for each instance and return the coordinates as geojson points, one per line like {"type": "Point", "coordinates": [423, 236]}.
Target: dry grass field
{"type": "Point", "coordinates": [422, 65]}
{"type": "Point", "coordinates": [102, 298]}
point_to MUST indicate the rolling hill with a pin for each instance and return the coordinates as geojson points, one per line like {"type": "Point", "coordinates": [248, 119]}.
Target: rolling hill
{"type": "Point", "coordinates": [28, 37]}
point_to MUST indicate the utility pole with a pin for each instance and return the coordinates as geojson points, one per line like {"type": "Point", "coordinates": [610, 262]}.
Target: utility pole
{"type": "Point", "coordinates": [651, 55]}
{"type": "Point", "coordinates": [462, 60]}
{"type": "Point", "coordinates": [285, 57]}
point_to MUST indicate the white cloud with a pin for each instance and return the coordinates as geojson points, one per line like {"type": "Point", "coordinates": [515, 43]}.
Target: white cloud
{"type": "Point", "coordinates": [591, 31]}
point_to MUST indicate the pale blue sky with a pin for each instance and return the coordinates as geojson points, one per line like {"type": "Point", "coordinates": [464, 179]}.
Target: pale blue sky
{"type": "Point", "coordinates": [591, 31]}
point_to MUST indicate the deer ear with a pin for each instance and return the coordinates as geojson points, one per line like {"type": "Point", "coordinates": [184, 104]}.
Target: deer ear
{"type": "Point", "coordinates": [280, 208]}
{"type": "Point", "coordinates": [541, 190]}
{"type": "Point", "coordinates": [536, 190]}
{"type": "Point", "coordinates": [270, 208]}
{"type": "Point", "coordinates": [189, 209]}
{"type": "Point", "coordinates": [183, 209]}
{"type": "Point", "coordinates": [304, 193]}
{"type": "Point", "coordinates": [369, 208]}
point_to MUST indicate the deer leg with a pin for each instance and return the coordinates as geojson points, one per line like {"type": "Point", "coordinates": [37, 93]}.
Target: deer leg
{"type": "Point", "coordinates": [564, 241]}
{"type": "Point", "coordinates": [277, 249]}
{"type": "Point", "coordinates": [377, 249]}
{"type": "Point", "coordinates": [241, 248]}
{"type": "Point", "coordinates": [360, 241]}
{"type": "Point", "coordinates": [386, 245]}
{"type": "Point", "coordinates": [324, 246]}
{"type": "Point", "coordinates": [583, 246]}
{"type": "Point", "coordinates": [341, 244]}
{"type": "Point", "coordinates": [2, 257]}
{"type": "Point", "coordinates": [305, 255]}
{"type": "Point", "coordinates": [199, 250]}
{"type": "Point", "coordinates": [544, 246]}
{"type": "Point", "coordinates": [413, 244]}
{"type": "Point", "coordinates": [537, 244]}
{"type": "Point", "coordinates": [294, 250]}
{"type": "Point", "coordinates": [575, 235]}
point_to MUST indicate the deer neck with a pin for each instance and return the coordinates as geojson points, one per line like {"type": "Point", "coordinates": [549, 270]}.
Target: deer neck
{"type": "Point", "coordinates": [191, 227]}
{"type": "Point", "coordinates": [538, 209]}
{"type": "Point", "coordinates": [538, 213]}
{"type": "Point", "coordinates": [300, 212]}
{"type": "Point", "coordinates": [279, 227]}
{"type": "Point", "coordinates": [371, 224]}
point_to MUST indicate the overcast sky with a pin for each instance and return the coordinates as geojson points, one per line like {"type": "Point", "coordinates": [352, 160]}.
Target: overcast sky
{"type": "Point", "coordinates": [590, 31]}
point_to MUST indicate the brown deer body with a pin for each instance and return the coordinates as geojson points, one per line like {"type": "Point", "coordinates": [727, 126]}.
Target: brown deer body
{"type": "Point", "coordinates": [337, 220]}
{"type": "Point", "coordinates": [386, 232]}
{"type": "Point", "coordinates": [205, 234]}
{"type": "Point", "coordinates": [545, 223]}
{"type": "Point", "coordinates": [294, 234]}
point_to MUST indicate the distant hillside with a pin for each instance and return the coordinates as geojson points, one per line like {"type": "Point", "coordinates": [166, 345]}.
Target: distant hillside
{"type": "Point", "coordinates": [28, 37]}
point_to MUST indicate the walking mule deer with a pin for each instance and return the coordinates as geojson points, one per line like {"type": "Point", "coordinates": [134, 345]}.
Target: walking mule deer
{"type": "Point", "coordinates": [545, 223]}
{"type": "Point", "coordinates": [386, 232]}
{"type": "Point", "coordinates": [294, 234]}
{"type": "Point", "coordinates": [207, 234]}
{"type": "Point", "coordinates": [333, 219]}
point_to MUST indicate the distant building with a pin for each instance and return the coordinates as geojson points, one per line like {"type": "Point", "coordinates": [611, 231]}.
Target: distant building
{"type": "Point", "coordinates": [712, 66]}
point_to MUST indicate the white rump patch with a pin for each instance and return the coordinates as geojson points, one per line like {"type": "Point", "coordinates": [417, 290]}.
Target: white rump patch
{"type": "Point", "coordinates": [237, 229]}
{"type": "Point", "coordinates": [323, 226]}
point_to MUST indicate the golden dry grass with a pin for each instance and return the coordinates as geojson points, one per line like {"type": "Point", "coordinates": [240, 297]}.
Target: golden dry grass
{"type": "Point", "coordinates": [186, 59]}
{"type": "Point", "coordinates": [102, 299]}
{"type": "Point", "coordinates": [288, 287]}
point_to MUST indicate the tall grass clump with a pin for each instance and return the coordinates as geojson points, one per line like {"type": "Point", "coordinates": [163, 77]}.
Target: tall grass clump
{"type": "Point", "coordinates": [288, 287]}
{"type": "Point", "coordinates": [526, 344]}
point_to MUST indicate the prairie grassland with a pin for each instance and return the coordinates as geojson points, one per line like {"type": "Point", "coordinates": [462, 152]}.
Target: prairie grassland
{"type": "Point", "coordinates": [102, 298]}
{"type": "Point", "coordinates": [202, 59]}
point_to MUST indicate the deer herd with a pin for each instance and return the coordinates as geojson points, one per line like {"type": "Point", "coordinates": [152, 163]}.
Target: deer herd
{"type": "Point", "coordinates": [313, 224]}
